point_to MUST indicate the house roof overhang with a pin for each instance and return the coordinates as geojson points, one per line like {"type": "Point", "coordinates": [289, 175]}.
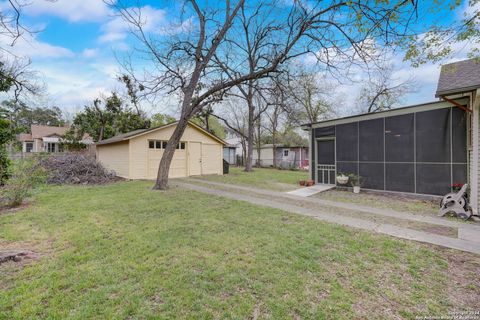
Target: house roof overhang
{"type": "Point", "coordinates": [138, 133]}
{"type": "Point", "coordinates": [392, 112]}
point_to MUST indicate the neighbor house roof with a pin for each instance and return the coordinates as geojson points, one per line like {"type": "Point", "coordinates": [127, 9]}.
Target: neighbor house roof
{"type": "Point", "coordinates": [24, 137]}
{"type": "Point", "coordinates": [39, 131]}
{"type": "Point", "coordinates": [459, 77]}
{"type": "Point", "coordinates": [267, 146]}
{"type": "Point", "coordinates": [135, 133]}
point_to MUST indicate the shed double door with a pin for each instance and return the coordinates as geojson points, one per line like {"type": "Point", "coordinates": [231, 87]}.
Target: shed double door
{"type": "Point", "coordinates": [325, 160]}
{"type": "Point", "coordinates": [204, 158]}
{"type": "Point", "coordinates": [195, 158]}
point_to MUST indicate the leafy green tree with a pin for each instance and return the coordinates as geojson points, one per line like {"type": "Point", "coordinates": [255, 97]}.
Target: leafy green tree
{"type": "Point", "coordinates": [133, 90]}
{"type": "Point", "coordinates": [22, 116]}
{"type": "Point", "coordinates": [212, 125]}
{"type": "Point", "coordinates": [160, 119]}
{"type": "Point", "coordinates": [290, 138]}
{"type": "Point", "coordinates": [440, 41]}
{"type": "Point", "coordinates": [6, 135]}
{"type": "Point", "coordinates": [107, 118]}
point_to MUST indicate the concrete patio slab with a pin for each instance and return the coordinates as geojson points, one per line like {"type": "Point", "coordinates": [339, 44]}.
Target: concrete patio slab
{"type": "Point", "coordinates": [310, 191]}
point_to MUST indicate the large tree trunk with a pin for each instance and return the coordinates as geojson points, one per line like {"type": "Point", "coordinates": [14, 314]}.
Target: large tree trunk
{"type": "Point", "coordinates": [259, 143]}
{"type": "Point", "coordinates": [274, 146]}
{"type": "Point", "coordinates": [163, 169]}
{"type": "Point", "coordinates": [102, 130]}
{"type": "Point", "coordinates": [249, 163]}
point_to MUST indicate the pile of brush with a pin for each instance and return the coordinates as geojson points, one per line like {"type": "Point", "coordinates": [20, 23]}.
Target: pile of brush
{"type": "Point", "coordinates": [76, 168]}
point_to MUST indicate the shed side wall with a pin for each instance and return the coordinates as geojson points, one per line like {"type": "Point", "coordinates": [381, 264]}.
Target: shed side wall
{"type": "Point", "coordinates": [115, 157]}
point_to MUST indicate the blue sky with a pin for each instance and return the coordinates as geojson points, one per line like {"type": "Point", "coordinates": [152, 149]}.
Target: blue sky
{"type": "Point", "coordinates": [74, 52]}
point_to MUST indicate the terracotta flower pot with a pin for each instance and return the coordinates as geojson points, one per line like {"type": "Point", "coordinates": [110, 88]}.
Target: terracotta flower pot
{"type": "Point", "coordinates": [310, 183]}
{"type": "Point", "coordinates": [302, 182]}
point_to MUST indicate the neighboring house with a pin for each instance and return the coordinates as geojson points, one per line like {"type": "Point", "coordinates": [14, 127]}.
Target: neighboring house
{"type": "Point", "coordinates": [137, 154]}
{"type": "Point", "coordinates": [287, 157]}
{"type": "Point", "coordinates": [421, 149]}
{"type": "Point", "coordinates": [46, 139]}
{"type": "Point", "coordinates": [230, 154]}
{"type": "Point", "coordinates": [234, 140]}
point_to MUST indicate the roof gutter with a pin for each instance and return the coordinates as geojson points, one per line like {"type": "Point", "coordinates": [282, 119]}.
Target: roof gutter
{"type": "Point", "coordinates": [455, 103]}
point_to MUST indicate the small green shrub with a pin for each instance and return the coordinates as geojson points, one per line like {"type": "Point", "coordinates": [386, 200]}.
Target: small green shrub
{"type": "Point", "coordinates": [26, 175]}
{"type": "Point", "coordinates": [355, 180]}
{"type": "Point", "coordinates": [5, 166]}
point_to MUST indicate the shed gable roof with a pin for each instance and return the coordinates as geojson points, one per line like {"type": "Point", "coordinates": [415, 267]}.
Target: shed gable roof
{"type": "Point", "coordinates": [459, 77]}
{"type": "Point", "coordinates": [132, 134]}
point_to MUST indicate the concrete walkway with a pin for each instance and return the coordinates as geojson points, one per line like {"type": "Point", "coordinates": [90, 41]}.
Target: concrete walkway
{"type": "Point", "coordinates": [353, 207]}
{"type": "Point", "coordinates": [310, 191]}
{"type": "Point", "coordinates": [327, 213]}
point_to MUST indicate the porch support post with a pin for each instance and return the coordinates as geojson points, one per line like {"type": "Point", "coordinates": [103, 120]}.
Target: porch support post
{"type": "Point", "coordinates": [310, 153]}
{"type": "Point", "coordinates": [474, 177]}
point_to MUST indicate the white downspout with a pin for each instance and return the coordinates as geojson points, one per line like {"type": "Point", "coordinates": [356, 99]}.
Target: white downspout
{"type": "Point", "coordinates": [475, 153]}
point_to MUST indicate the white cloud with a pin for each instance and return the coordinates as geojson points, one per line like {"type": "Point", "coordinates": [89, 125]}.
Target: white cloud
{"type": "Point", "coordinates": [72, 85]}
{"type": "Point", "coordinates": [71, 10]}
{"type": "Point", "coordinates": [153, 20]}
{"type": "Point", "coordinates": [112, 37]}
{"type": "Point", "coordinates": [117, 28]}
{"type": "Point", "coordinates": [90, 53]}
{"type": "Point", "coordinates": [30, 47]}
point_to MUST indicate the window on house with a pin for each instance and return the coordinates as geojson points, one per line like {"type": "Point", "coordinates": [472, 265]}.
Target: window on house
{"type": "Point", "coordinates": [151, 144]}
{"type": "Point", "coordinates": [285, 153]}
{"type": "Point", "coordinates": [49, 147]}
{"type": "Point", "coordinates": [158, 144]}
{"type": "Point", "coordinates": [29, 147]}
{"type": "Point", "coordinates": [164, 144]}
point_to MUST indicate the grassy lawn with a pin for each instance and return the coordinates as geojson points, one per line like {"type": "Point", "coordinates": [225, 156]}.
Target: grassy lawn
{"type": "Point", "coordinates": [267, 178]}
{"type": "Point", "coordinates": [385, 201]}
{"type": "Point", "coordinates": [285, 180]}
{"type": "Point", "coordinates": [124, 251]}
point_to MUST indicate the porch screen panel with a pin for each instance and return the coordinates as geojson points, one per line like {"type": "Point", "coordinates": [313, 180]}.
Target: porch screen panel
{"type": "Point", "coordinates": [400, 177]}
{"type": "Point", "coordinates": [432, 129]}
{"type": "Point", "coordinates": [459, 131]}
{"type": "Point", "coordinates": [326, 152]}
{"type": "Point", "coordinates": [325, 132]}
{"type": "Point", "coordinates": [371, 140]}
{"type": "Point", "coordinates": [433, 178]}
{"type": "Point", "coordinates": [347, 167]}
{"type": "Point", "coordinates": [347, 141]}
{"type": "Point", "coordinates": [372, 175]}
{"type": "Point", "coordinates": [459, 173]}
{"type": "Point", "coordinates": [399, 138]}
{"type": "Point", "coordinates": [420, 152]}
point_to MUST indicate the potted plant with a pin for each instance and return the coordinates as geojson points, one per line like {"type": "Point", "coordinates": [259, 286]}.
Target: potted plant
{"type": "Point", "coordinates": [310, 182]}
{"type": "Point", "coordinates": [302, 183]}
{"type": "Point", "coordinates": [342, 178]}
{"type": "Point", "coordinates": [456, 187]}
{"type": "Point", "coordinates": [355, 182]}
